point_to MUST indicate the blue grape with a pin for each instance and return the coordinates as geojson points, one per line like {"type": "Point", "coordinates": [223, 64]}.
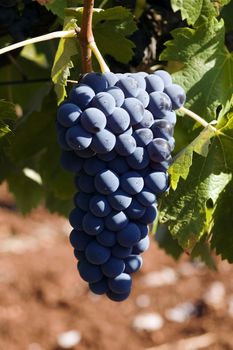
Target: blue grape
{"type": "Point", "coordinates": [117, 94]}
{"type": "Point", "coordinates": [92, 224]}
{"type": "Point", "coordinates": [139, 159]}
{"type": "Point", "coordinates": [79, 254]}
{"type": "Point", "coordinates": [119, 200]}
{"type": "Point", "coordinates": [89, 272]}
{"type": "Point", "coordinates": [129, 131]}
{"type": "Point", "coordinates": [107, 238]}
{"type": "Point", "coordinates": [76, 218]}
{"type": "Point", "coordinates": [93, 165]}
{"type": "Point", "coordinates": [161, 166]}
{"type": "Point", "coordinates": [132, 182]}
{"type": "Point", "coordinates": [71, 162]}
{"type": "Point", "coordinates": [129, 86]}
{"type": "Point", "coordinates": [106, 181]}
{"type": "Point", "coordinates": [146, 121]}
{"type": "Point", "coordinates": [97, 81]}
{"type": "Point", "coordinates": [93, 120]}
{"type": "Point", "coordinates": [119, 165]}
{"type": "Point", "coordinates": [135, 210]}
{"type": "Point", "coordinates": [104, 102]}
{"type": "Point", "coordinates": [99, 206]}
{"type": "Point", "coordinates": [129, 235]}
{"type": "Point", "coordinates": [79, 240]}
{"type": "Point", "coordinates": [116, 221]}
{"type": "Point", "coordinates": [143, 136]}
{"type": "Point", "coordinates": [157, 182]}
{"type": "Point", "coordinates": [85, 183]}
{"type": "Point", "coordinates": [159, 150]}
{"type": "Point", "coordinates": [111, 78]}
{"type": "Point", "coordinates": [103, 141]}
{"type": "Point", "coordinates": [144, 229]}
{"type": "Point", "coordinates": [85, 153]}
{"type": "Point", "coordinates": [133, 263]}
{"type": "Point", "coordinates": [68, 114]}
{"type": "Point", "coordinates": [78, 138]}
{"type": "Point", "coordinates": [154, 83]}
{"type": "Point", "coordinates": [100, 287]}
{"type": "Point", "coordinates": [82, 200]}
{"type": "Point", "coordinates": [165, 76]}
{"type": "Point", "coordinates": [143, 97]}
{"type": "Point", "coordinates": [81, 95]}
{"type": "Point", "coordinates": [113, 267]}
{"type": "Point", "coordinates": [146, 197]}
{"type": "Point", "coordinates": [162, 129]}
{"type": "Point", "coordinates": [141, 246]}
{"type": "Point", "coordinates": [170, 116]}
{"type": "Point", "coordinates": [118, 121]}
{"type": "Point", "coordinates": [171, 142]}
{"type": "Point", "coordinates": [120, 284]}
{"type": "Point", "coordinates": [149, 216]}
{"type": "Point", "coordinates": [116, 296]}
{"type": "Point", "coordinates": [107, 157]}
{"type": "Point", "coordinates": [121, 252]}
{"type": "Point", "coordinates": [135, 109]}
{"type": "Point", "coordinates": [139, 78]}
{"type": "Point", "coordinates": [159, 104]}
{"type": "Point", "coordinates": [176, 94]}
{"type": "Point", "coordinates": [125, 145]}
{"type": "Point", "coordinates": [96, 253]}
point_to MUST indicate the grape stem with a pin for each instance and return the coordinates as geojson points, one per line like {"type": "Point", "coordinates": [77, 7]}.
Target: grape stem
{"type": "Point", "coordinates": [198, 119]}
{"type": "Point", "coordinates": [103, 66]}
{"type": "Point", "coordinates": [38, 39]}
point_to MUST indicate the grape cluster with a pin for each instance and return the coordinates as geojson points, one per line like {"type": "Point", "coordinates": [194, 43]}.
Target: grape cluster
{"type": "Point", "coordinates": [116, 135]}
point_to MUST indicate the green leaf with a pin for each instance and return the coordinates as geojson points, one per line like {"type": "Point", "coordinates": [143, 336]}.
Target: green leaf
{"type": "Point", "coordinates": [207, 66]}
{"type": "Point", "coordinates": [28, 193]}
{"type": "Point", "coordinates": [226, 14]}
{"type": "Point", "coordinates": [7, 114]}
{"type": "Point", "coordinates": [202, 250]}
{"type": "Point", "coordinates": [167, 242]}
{"type": "Point", "coordinates": [183, 160]}
{"type": "Point", "coordinates": [58, 205]}
{"type": "Point", "coordinates": [57, 7]}
{"type": "Point", "coordinates": [62, 63]}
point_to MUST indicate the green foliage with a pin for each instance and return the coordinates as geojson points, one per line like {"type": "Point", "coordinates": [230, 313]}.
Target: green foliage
{"type": "Point", "coordinates": [57, 7]}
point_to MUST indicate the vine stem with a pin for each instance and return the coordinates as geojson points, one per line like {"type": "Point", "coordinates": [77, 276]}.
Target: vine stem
{"type": "Point", "coordinates": [54, 35]}
{"type": "Point", "coordinates": [103, 66]}
{"type": "Point", "coordinates": [198, 119]}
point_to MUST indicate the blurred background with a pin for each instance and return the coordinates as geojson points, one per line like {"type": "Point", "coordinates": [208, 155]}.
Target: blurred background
{"type": "Point", "coordinates": [44, 305]}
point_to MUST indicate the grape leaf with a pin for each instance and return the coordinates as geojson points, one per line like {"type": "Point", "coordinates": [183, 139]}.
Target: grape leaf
{"type": "Point", "coordinates": [183, 160]}
{"type": "Point", "coordinates": [167, 242]}
{"type": "Point", "coordinates": [202, 250]}
{"type": "Point", "coordinates": [191, 10]}
{"type": "Point", "coordinates": [62, 63]}
{"type": "Point", "coordinates": [207, 72]}
{"type": "Point", "coordinates": [57, 7]}
{"type": "Point", "coordinates": [7, 114]}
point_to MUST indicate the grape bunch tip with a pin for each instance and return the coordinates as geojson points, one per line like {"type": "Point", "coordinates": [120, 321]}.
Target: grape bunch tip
{"type": "Point", "coordinates": [115, 132]}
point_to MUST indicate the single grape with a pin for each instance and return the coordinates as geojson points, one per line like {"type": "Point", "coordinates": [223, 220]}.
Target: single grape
{"type": "Point", "coordinates": [120, 284]}
{"type": "Point", "coordinates": [161, 166]}
{"type": "Point", "coordinates": [119, 165]}
{"type": "Point", "coordinates": [170, 116]}
{"type": "Point", "coordinates": [133, 263]}
{"type": "Point", "coordinates": [111, 78]}
{"type": "Point", "coordinates": [159, 104]}
{"type": "Point", "coordinates": [97, 81]}
{"type": "Point", "coordinates": [89, 272]}
{"type": "Point", "coordinates": [144, 229]}
{"type": "Point", "coordinates": [121, 252]}
{"type": "Point", "coordinates": [113, 267]}
{"type": "Point", "coordinates": [103, 142]}
{"type": "Point", "coordinates": [135, 109]}
{"type": "Point", "coordinates": [76, 218]}
{"type": "Point", "coordinates": [140, 78]}
{"type": "Point", "coordinates": [119, 200]}
{"type": "Point", "coordinates": [146, 197]}
{"type": "Point", "coordinates": [105, 102]}
{"type": "Point", "coordinates": [106, 238]}
{"type": "Point", "coordinates": [165, 76]}
{"type": "Point", "coordinates": [149, 216]}
{"type": "Point", "coordinates": [78, 138]}
{"type": "Point", "coordinates": [79, 254]}
{"type": "Point", "coordinates": [68, 114]}
{"type": "Point", "coordinates": [154, 83]}
{"type": "Point", "coordinates": [141, 246]}
{"type": "Point", "coordinates": [125, 145]}
{"type": "Point", "coordinates": [93, 120]}
{"type": "Point", "coordinates": [92, 224]}
{"type": "Point", "coordinates": [82, 200]}
{"type": "Point", "coordinates": [81, 95]}
{"type": "Point", "coordinates": [159, 150]}
{"type": "Point", "coordinates": [157, 182]}
{"type": "Point", "coordinates": [139, 159]}
{"type": "Point", "coordinates": [176, 94]}
{"type": "Point", "coordinates": [85, 183]}
{"type": "Point", "coordinates": [129, 235]}
{"type": "Point", "coordinates": [99, 206]}
{"type": "Point", "coordinates": [135, 210]}
{"type": "Point", "coordinates": [106, 181]}
{"type": "Point", "coordinates": [131, 182]}
{"type": "Point", "coordinates": [116, 221]}
{"type": "Point", "coordinates": [117, 296]}
{"type": "Point", "coordinates": [100, 287]}
{"type": "Point", "coordinates": [79, 240]}
{"type": "Point", "coordinates": [143, 136]}
{"type": "Point", "coordinates": [93, 165]}
{"type": "Point", "coordinates": [162, 129]}
{"type": "Point", "coordinates": [129, 86]}
{"type": "Point", "coordinates": [146, 121]}
{"type": "Point", "coordinates": [118, 121]}
{"type": "Point", "coordinates": [61, 139]}
{"type": "Point", "coordinates": [143, 97]}
{"type": "Point", "coordinates": [96, 253]}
